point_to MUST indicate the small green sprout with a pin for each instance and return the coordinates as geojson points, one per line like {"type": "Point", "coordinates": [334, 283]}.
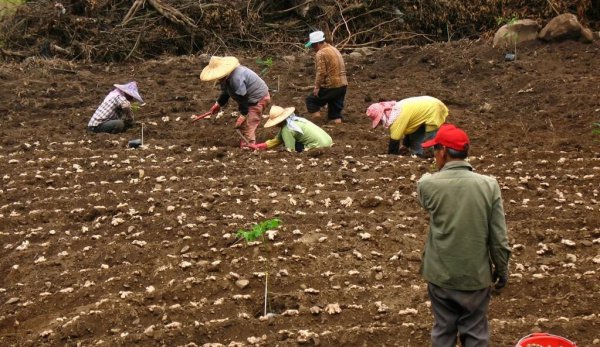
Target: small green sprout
{"type": "Point", "coordinates": [514, 36]}
{"type": "Point", "coordinates": [596, 130]}
{"type": "Point", "coordinates": [267, 63]}
{"type": "Point", "coordinates": [258, 230]}
{"type": "Point", "coordinates": [135, 106]}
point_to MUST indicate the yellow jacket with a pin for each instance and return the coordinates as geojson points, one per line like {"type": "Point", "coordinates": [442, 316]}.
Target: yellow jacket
{"type": "Point", "coordinates": [416, 111]}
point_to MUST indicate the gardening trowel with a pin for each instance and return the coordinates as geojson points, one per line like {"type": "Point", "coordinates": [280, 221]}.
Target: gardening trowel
{"type": "Point", "coordinates": [242, 136]}
{"type": "Point", "coordinates": [196, 117]}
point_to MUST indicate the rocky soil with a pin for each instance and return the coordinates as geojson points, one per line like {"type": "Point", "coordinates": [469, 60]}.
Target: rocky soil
{"type": "Point", "coordinates": [104, 245]}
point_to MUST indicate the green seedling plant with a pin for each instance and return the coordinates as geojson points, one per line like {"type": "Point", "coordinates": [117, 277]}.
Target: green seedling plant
{"type": "Point", "coordinates": [596, 130]}
{"type": "Point", "coordinates": [258, 232]}
{"type": "Point", "coordinates": [135, 106]}
{"type": "Point", "coordinates": [514, 36]}
{"type": "Point", "coordinates": [266, 65]}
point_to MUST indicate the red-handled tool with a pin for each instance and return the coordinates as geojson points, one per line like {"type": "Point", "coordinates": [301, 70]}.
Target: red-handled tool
{"type": "Point", "coordinates": [197, 117]}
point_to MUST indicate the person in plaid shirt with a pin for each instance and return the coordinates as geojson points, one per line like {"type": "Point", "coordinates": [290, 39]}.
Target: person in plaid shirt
{"type": "Point", "coordinates": [330, 80]}
{"type": "Point", "coordinates": [114, 115]}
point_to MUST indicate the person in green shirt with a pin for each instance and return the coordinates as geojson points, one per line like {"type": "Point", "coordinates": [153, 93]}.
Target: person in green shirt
{"type": "Point", "coordinates": [296, 133]}
{"type": "Point", "coordinates": [411, 120]}
{"type": "Point", "coordinates": [467, 247]}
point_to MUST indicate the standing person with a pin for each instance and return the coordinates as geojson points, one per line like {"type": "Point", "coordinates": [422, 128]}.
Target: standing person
{"type": "Point", "coordinates": [114, 115]}
{"type": "Point", "coordinates": [330, 80]}
{"type": "Point", "coordinates": [297, 133]}
{"type": "Point", "coordinates": [467, 248]}
{"type": "Point", "coordinates": [413, 120]}
{"type": "Point", "coordinates": [244, 86]}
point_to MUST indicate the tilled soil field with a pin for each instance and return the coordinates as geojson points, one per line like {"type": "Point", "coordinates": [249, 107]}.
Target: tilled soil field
{"type": "Point", "coordinates": [104, 245]}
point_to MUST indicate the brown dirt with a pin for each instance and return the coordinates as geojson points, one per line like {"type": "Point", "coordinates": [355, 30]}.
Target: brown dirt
{"type": "Point", "coordinates": [86, 235]}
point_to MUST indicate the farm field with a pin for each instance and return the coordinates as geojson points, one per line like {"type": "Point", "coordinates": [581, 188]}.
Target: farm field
{"type": "Point", "coordinates": [107, 246]}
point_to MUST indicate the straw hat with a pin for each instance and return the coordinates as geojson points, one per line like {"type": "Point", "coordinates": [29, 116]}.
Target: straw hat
{"type": "Point", "coordinates": [218, 67]}
{"type": "Point", "coordinates": [130, 89]}
{"type": "Point", "coordinates": [278, 114]}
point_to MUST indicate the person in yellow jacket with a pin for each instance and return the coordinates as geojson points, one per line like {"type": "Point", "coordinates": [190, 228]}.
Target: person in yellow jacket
{"type": "Point", "coordinates": [412, 120]}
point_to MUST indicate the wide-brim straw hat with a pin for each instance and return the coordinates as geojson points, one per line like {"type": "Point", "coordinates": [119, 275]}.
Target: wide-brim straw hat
{"type": "Point", "coordinates": [130, 89]}
{"type": "Point", "coordinates": [278, 114]}
{"type": "Point", "coordinates": [218, 67]}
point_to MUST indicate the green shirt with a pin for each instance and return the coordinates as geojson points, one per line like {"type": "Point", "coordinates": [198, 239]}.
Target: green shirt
{"type": "Point", "coordinates": [312, 136]}
{"type": "Point", "coordinates": [467, 230]}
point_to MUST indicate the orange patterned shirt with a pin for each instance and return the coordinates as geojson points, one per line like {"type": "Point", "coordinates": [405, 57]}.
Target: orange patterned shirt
{"type": "Point", "coordinates": [331, 70]}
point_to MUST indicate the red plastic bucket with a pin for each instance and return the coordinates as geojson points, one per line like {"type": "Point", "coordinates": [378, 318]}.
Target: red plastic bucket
{"type": "Point", "coordinates": [544, 340]}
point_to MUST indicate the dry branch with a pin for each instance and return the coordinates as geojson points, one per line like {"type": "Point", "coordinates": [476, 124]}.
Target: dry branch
{"type": "Point", "coordinates": [134, 8]}
{"type": "Point", "coordinates": [172, 14]}
{"type": "Point", "coordinates": [108, 30]}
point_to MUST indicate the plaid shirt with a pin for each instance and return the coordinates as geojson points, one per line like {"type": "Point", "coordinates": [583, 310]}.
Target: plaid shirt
{"type": "Point", "coordinates": [331, 71]}
{"type": "Point", "coordinates": [111, 108]}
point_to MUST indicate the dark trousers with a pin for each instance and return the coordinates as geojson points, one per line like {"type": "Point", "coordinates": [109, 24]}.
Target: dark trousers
{"type": "Point", "coordinates": [459, 312]}
{"type": "Point", "coordinates": [414, 140]}
{"type": "Point", "coordinates": [332, 97]}
{"type": "Point", "coordinates": [112, 126]}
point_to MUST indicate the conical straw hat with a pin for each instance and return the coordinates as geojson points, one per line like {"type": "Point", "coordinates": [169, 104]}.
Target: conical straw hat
{"type": "Point", "coordinates": [277, 114]}
{"type": "Point", "coordinates": [130, 89]}
{"type": "Point", "coordinates": [218, 67]}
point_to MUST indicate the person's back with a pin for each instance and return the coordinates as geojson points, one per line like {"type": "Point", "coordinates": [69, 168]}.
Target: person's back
{"type": "Point", "coordinates": [244, 82]}
{"type": "Point", "coordinates": [335, 75]}
{"type": "Point", "coordinates": [418, 110]}
{"type": "Point", "coordinates": [311, 135]}
{"type": "Point", "coordinates": [460, 203]}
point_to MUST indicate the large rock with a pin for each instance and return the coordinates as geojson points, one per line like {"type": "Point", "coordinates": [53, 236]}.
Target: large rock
{"type": "Point", "coordinates": [563, 27]}
{"type": "Point", "coordinates": [520, 31]}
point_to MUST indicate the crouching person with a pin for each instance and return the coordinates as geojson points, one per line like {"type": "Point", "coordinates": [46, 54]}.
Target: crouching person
{"type": "Point", "coordinates": [411, 120]}
{"type": "Point", "coordinates": [296, 133]}
{"type": "Point", "coordinates": [114, 115]}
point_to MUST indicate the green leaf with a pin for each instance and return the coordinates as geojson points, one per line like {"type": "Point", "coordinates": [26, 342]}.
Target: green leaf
{"type": "Point", "coordinates": [258, 230]}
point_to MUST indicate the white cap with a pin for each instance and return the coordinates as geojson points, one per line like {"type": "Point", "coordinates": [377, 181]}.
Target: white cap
{"type": "Point", "coordinates": [315, 37]}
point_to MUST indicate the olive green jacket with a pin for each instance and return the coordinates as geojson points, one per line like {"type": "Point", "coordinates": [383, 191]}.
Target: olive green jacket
{"type": "Point", "coordinates": [467, 232]}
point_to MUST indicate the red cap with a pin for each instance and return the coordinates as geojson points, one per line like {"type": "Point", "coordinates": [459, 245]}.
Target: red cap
{"type": "Point", "coordinates": [450, 136]}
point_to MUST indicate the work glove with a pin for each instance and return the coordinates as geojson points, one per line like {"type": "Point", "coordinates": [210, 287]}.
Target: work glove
{"type": "Point", "coordinates": [239, 121]}
{"type": "Point", "coordinates": [259, 146]}
{"type": "Point", "coordinates": [499, 281]}
{"type": "Point", "coordinates": [215, 108]}
{"type": "Point", "coordinates": [255, 146]}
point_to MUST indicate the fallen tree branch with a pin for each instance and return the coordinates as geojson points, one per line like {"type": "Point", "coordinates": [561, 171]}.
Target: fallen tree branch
{"type": "Point", "coordinates": [134, 8]}
{"type": "Point", "coordinates": [347, 40]}
{"type": "Point", "coordinates": [172, 14]}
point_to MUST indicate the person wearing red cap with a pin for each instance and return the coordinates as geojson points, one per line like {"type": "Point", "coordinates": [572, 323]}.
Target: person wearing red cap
{"type": "Point", "coordinates": [467, 249]}
{"type": "Point", "coordinates": [412, 120]}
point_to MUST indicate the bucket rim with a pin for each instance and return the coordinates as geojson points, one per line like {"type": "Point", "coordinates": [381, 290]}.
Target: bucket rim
{"type": "Point", "coordinates": [546, 335]}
